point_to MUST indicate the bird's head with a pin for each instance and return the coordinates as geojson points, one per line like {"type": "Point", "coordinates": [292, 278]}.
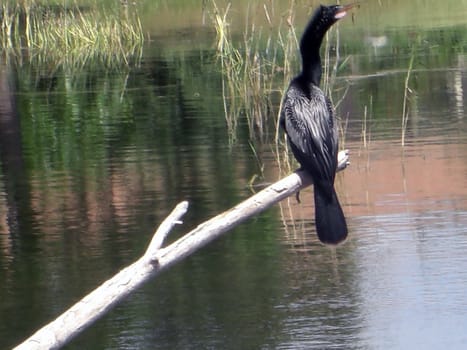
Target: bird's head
{"type": "Point", "coordinates": [323, 18]}
{"type": "Point", "coordinates": [329, 15]}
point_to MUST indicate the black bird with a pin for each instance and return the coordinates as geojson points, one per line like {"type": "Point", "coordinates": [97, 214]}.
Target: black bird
{"type": "Point", "coordinates": [308, 120]}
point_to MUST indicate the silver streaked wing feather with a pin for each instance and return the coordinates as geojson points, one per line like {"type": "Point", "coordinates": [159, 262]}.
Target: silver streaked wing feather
{"type": "Point", "coordinates": [310, 127]}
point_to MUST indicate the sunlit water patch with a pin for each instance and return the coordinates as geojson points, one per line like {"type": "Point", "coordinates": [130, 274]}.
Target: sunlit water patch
{"type": "Point", "coordinates": [404, 285]}
{"type": "Point", "coordinates": [412, 280]}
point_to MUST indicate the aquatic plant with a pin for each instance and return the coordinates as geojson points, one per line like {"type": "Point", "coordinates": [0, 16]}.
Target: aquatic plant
{"type": "Point", "coordinates": [257, 68]}
{"type": "Point", "coordinates": [70, 34]}
{"type": "Point", "coordinates": [252, 70]}
{"type": "Point", "coordinates": [405, 105]}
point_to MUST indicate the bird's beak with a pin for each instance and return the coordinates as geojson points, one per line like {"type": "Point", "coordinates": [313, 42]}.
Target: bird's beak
{"type": "Point", "coordinates": [343, 10]}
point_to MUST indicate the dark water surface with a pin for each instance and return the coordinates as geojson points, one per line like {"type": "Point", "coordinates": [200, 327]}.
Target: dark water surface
{"type": "Point", "coordinates": [91, 162]}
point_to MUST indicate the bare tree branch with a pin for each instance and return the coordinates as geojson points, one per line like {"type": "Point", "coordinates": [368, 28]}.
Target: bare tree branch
{"type": "Point", "coordinates": [156, 259]}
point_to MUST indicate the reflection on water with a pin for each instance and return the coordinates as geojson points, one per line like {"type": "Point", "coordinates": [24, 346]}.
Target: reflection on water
{"type": "Point", "coordinates": [399, 283]}
{"type": "Point", "coordinates": [91, 163]}
{"type": "Point", "coordinates": [424, 175]}
{"type": "Point", "coordinates": [405, 260]}
{"type": "Point", "coordinates": [412, 279]}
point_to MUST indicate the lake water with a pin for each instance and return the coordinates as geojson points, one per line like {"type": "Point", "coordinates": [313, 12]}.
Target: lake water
{"type": "Point", "coordinates": [91, 162]}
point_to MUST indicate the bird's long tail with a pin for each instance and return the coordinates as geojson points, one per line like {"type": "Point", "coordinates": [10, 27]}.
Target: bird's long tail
{"type": "Point", "coordinates": [330, 220]}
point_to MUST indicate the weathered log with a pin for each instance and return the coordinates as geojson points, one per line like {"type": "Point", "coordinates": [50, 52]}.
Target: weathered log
{"type": "Point", "coordinates": [156, 259]}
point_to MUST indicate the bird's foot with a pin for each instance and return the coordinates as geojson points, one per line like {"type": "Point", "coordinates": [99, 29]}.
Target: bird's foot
{"type": "Point", "coordinates": [343, 159]}
{"type": "Point", "coordinates": [297, 196]}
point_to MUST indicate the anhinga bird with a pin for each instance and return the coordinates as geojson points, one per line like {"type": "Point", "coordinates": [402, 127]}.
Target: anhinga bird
{"type": "Point", "coordinates": [308, 120]}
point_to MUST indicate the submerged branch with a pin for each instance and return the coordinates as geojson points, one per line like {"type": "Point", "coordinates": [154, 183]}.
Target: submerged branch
{"type": "Point", "coordinates": [156, 259]}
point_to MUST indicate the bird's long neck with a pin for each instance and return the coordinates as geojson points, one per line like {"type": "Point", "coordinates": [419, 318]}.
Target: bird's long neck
{"type": "Point", "coordinates": [309, 48]}
{"type": "Point", "coordinates": [311, 67]}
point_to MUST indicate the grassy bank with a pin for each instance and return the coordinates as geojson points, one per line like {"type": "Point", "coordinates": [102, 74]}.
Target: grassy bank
{"type": "Point", "coordinates": [168, 15]}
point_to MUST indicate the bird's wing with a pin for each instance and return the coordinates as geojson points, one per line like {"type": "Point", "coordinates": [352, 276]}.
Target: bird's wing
{"type": "Point", "coordinates": [309, 125]}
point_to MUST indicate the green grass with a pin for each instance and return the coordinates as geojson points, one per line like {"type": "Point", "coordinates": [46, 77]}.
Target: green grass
{"type": "Point", "coordinates": [253, 67]}
{"type": "Point", "coordinates": [257, 68]}
{"type": "Point", "coordinates": [68, 34]}
{"type": "Point", "coordinates": [405, 106]}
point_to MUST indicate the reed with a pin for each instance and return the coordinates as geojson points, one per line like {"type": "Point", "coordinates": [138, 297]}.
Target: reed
{"type": "Point", "coordinates": [253, 69]}
{"type": "Point", "coordinates": [366, 124]}
{"type": "Point", "coordinates": [261, 65]}
{"type": "Point", "coordinates": [405, 104]}
{"type": "Point", "coordinates": [257, 69]}
{"type": "Point", "coordinates": [71, 35]}
{"type": "Point", "coordinates": [231, 62]}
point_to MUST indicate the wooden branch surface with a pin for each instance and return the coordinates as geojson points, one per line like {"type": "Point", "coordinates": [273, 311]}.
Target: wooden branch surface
{"type": "Point", "coordinates": [213, 228]}
{"type": "Point", "coordinates": [101, 300]}
{"type": "Point", "coordinates": [156, 259]}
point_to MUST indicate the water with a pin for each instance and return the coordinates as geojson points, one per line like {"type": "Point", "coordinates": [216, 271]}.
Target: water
{"type": "Point", "coordinates": [95, 161]}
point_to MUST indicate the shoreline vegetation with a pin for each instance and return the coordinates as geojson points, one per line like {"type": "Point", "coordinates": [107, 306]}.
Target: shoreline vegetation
{"type": "Point", "coordinates": [257, 68]}
{"type": "Point", "coordinates": [70, 35]}
{"type": "Point", "coordinates": [257, 63]}
{"type": "Point", "coordinates": [254, 67]}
